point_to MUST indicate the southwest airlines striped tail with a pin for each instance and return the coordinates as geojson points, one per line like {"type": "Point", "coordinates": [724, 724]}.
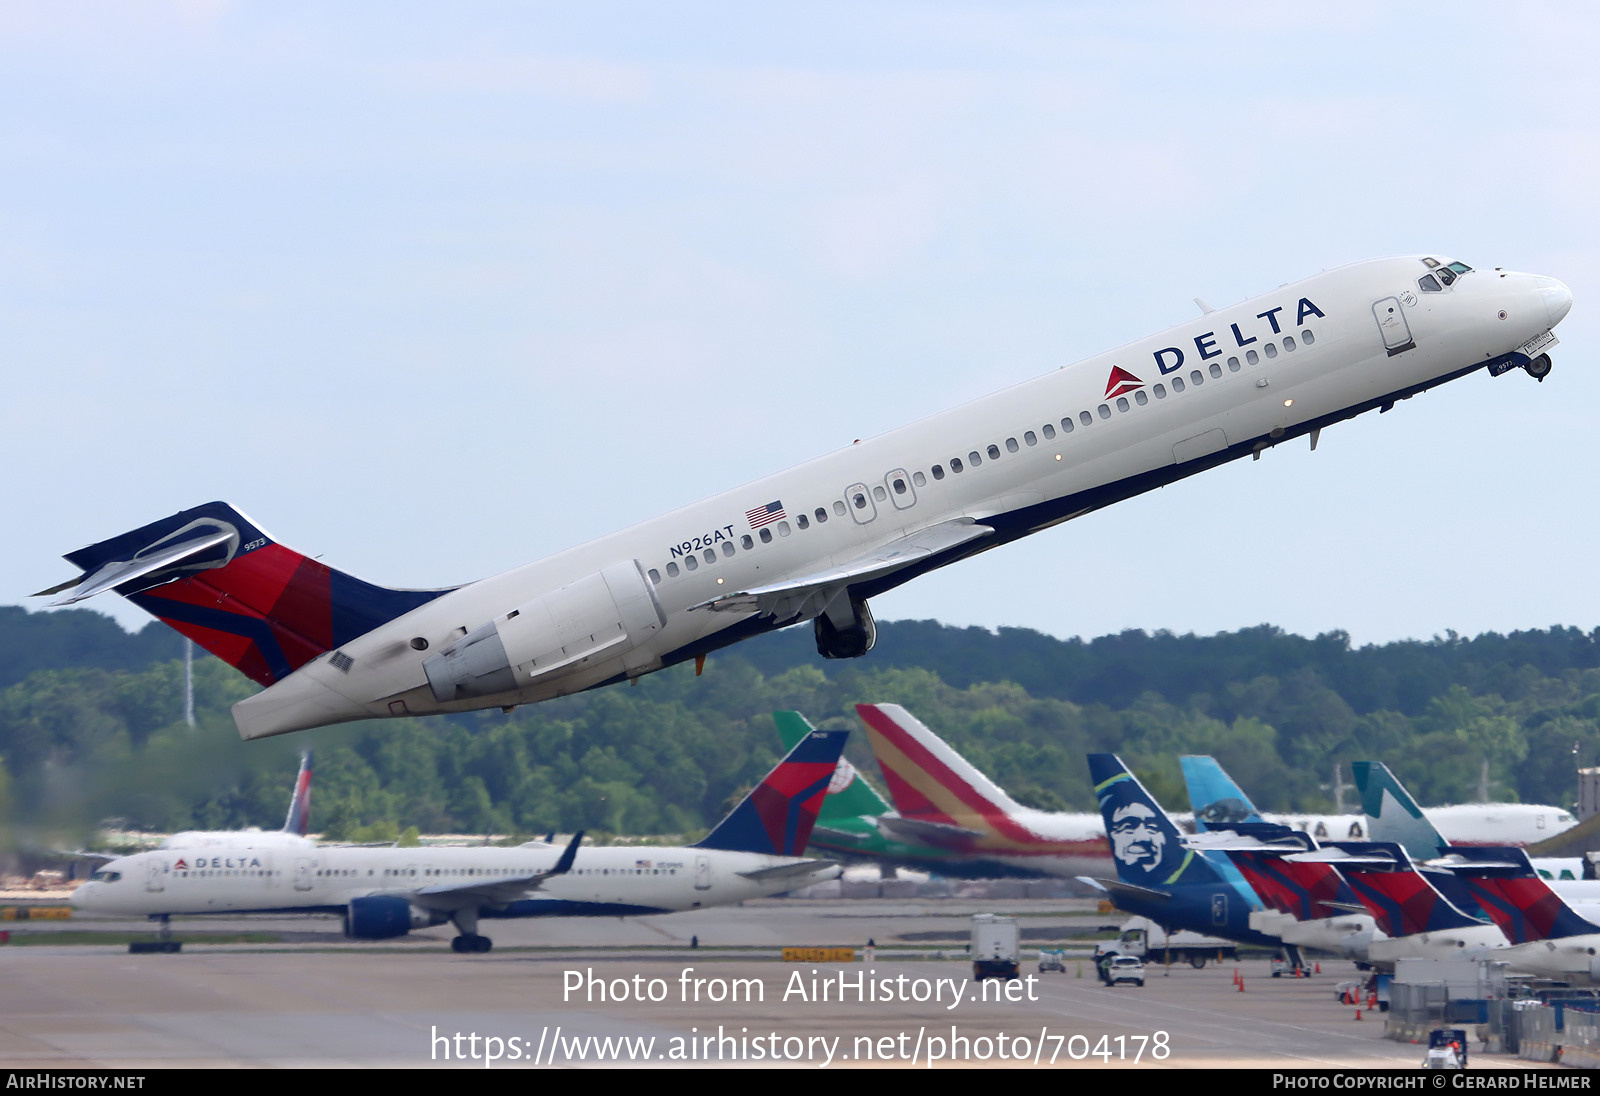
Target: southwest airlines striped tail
{"type": "Point", "coordinates": [213, 575]}
{"type": "Point", "coordinates": [1502, 880]}
{"type": "Point", "coordinates": [930, 782]}
{"type": "Point", "coordinates": [777, 816]}
{"type": "Point", "coordinates": [299, 819]}
{"type": "Point", "coordinates": [1148, 849]}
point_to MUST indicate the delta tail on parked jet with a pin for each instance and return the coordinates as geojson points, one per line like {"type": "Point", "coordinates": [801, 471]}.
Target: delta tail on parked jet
{"type": "Point", "coordinates": [756, 851]}
{"type": "Point", "coordinates": [816, 542]}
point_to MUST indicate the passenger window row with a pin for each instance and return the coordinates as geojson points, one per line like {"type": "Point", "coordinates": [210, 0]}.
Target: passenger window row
{"type": "Point", "coordinates": [975, 458]}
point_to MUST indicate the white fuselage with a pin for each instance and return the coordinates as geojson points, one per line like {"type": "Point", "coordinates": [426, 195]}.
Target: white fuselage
{"type": "Point", "coordinates": [1031, 456]}
{"type": "Point", "coordinates": [612, 881]}
{"type": "Point", "coordinates": [1022, 841]}
{"type": "Point", "coordinates": [1570, 959]}
{"type": "Point", "coordinates": [1460, 824]}
{"type": "Point", "coordinates": [227, 839]}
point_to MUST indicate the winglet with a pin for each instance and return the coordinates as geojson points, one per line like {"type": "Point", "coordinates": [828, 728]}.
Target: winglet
{"type": "Point", "coordinates": [299, 819]}
{"type": "Point", "coordinates": [564, 865]}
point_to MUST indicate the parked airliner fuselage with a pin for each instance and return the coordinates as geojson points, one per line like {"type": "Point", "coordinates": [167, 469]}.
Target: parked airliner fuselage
{"type": "Point", "coordinates": [611, 882]}
{"type": "Point", "coordinates": [815, 542]}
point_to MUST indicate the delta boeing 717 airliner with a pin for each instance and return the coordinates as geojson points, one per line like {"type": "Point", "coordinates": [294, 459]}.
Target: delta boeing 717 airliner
{"type": "Point", "coordinates": [817, 542]}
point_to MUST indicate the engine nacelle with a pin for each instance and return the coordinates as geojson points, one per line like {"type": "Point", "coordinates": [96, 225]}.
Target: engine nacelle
{"type": "Point", "coordinates": [845, 629]}
{"type": "Point", "coordinates": [382, 917]}
{"type": "Point", "coordinates": [601, 616]}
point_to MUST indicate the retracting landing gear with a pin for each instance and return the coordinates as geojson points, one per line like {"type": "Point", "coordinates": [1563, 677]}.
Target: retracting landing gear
{"type": "Point", "coordinates": [469, 941]}
{"type": "Point", "coordinates": [1539, 368]}
{"type": "Point", "coordinates": [845, 629]}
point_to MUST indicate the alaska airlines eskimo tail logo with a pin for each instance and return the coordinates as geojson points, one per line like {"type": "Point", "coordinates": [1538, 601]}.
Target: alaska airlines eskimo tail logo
{"type": "Point", "coordinates": [1144, 843]}
{"type": "Point", "coordinates": [1136, 839]}
{"type": "Point", "coordinates": [1121, 382]}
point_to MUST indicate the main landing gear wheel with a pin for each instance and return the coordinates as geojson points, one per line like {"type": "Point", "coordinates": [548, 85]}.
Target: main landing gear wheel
{"type": "Point", "coordinates": [470, 942]}
{"type": "Point", "coordinates": [1539, 368]}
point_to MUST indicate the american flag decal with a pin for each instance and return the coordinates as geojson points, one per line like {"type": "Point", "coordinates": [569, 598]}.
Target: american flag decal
{"type": "Point", "coordinates": [764, 515]}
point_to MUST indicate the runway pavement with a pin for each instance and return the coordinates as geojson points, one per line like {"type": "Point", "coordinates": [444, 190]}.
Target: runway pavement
{"type": "Point", "coordinates": [325, 1002]}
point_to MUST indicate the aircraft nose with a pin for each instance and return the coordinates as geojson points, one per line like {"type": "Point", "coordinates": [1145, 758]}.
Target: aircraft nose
{"type": "Point", "coordinates": [1557, 298]}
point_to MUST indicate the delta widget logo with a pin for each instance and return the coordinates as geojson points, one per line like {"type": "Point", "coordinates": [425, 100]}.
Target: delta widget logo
{"type": "Point", "coordinates": [1121, 382]}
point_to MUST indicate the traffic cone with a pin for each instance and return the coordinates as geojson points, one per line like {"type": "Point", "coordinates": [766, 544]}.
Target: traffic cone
{"type": "Point", "coordinates": [1358, 1012]}
{"type": "Point", "coordinates": [1317, 969]}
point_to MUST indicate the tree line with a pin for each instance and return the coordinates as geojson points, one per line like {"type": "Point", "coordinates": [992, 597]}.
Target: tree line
{"type": "Point", "coordinates": [91, 727]}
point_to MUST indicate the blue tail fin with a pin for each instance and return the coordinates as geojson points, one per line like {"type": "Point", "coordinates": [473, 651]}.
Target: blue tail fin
{"type": "Point", "coordinates": [1213, 795]}
{"type": "Point", "coordinates": [1502, 880]}
{"type": "Point", "coordinates": [777, 816]}
{"type": "Point", "coordinates": [1403, 900]}
{"type": "Point", "coordinates": [1148, 849]}
{"type": "Point", "coordinates": [213, 575]}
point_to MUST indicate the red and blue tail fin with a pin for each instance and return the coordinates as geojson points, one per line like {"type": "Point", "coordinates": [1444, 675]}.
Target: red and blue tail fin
{"type": "Point", "coordinates": [777, 816]}
{"type": "Point", "coordinates": [1401, 899]}
{"type": "Point", "coordinates": [1502, 880]}
{"type": "Point", "coordinates": [299, 819]}
{"type": "Point", "coordinates": [213, 575]}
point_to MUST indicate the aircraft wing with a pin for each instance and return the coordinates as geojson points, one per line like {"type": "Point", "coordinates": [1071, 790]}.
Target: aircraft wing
{"type": "Point", "coordinates": [1132, 890]}
{"type": "Point", "coordinates": [940, 834]}
{"type": "Point", "coordinates": [492, 892]}
{"type": "Point", "coordinates": [781, 871]}
{"type": "Point", "coordinates": [788, 598]}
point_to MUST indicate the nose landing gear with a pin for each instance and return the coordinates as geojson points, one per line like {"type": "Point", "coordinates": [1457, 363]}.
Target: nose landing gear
{"type": "Point", "coordinates": [1539, 368]}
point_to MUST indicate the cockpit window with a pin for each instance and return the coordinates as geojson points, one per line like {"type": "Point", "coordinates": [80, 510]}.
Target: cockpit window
{"type": "Point", "coordinates": [1446, 276]}
{"type": "Point", "coordinates": [1430, 263]}
{"type": "Point", "coordinates": [1461, 268]}
{"type": "Point", "coordinates": [1429, 284]}
{"type": "Point", "coordinates": [103, 876]}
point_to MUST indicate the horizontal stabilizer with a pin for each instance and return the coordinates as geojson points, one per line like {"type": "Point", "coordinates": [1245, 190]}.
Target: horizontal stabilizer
{"type": "Point", "coordinates": [787, 598]}
{"type": "Point", "coordinates": [1130, 890]}
{"type": "Point", "coordinates": [117, 572]}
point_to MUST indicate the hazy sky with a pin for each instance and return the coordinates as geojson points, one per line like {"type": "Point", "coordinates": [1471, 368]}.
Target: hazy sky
{"type": "Point", "coordinates": [434, 290]}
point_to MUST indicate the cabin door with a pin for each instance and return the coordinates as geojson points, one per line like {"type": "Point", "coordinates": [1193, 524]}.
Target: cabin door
{"type": "Point", "coordinates": [1392, 324]}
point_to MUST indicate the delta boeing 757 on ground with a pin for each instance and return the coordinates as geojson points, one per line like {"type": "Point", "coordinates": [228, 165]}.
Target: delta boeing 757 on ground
{"type": "Point", "coordinates": [817, 542]}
